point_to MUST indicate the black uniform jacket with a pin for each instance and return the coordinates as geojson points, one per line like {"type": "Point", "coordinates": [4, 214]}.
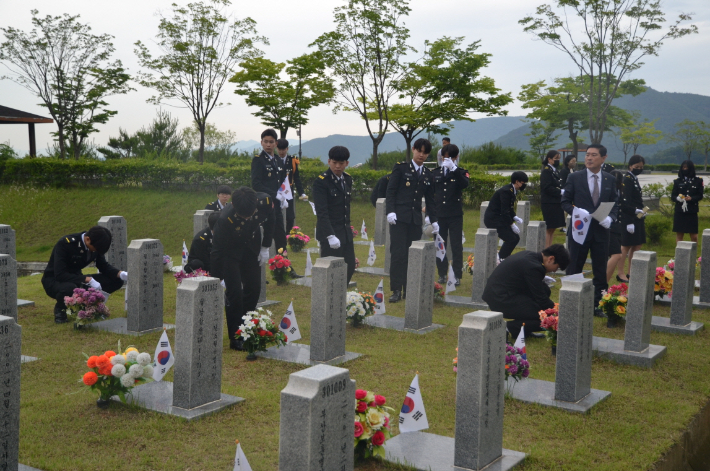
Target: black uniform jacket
{"type": "Point", "coordinates": [519, 279]}
{"type": "Point", "coordinates": [501, 208]}
{"type": "Point", "coordinates": [577, 194]}
{"type": "Point", "coordinates": [692, 187]}
{"type": "Point", "coordinates": [232, 235]}
{"type": "Point", "coordinates": [201, 247]}
{"type": "Point", "coordinates": [447, 191]}
{"type": "Point", "coordinates": [267, 174]}
{"type": "Point", "coordinates": [291, 166]}
{"type": "Point", "coordinates": [550, 186]}
{"type": "Point", "coordinates": [214, 206]}
{"type": "Point", "coordinates": [380, 190]}
{"type": "Point", "coordinates": [69, 257]}
{"type": "Point", "coordinates": [405, 191]}
{"type": "Point", "coordinates": [332, 207]}
{"type": "Point", "coordinates": [630, 199]}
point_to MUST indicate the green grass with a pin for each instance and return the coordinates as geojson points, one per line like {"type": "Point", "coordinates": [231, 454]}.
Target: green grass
{"type": "Point", "coordinates": [61, 428]}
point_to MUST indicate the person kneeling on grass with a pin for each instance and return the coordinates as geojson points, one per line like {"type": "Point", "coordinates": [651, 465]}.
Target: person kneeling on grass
{"type": "Point", "coordinates": [518, 287]}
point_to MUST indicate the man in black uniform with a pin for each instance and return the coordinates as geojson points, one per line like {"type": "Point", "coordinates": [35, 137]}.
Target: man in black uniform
{"type": "Point", "coordinates": [380, 190]}
{"type": "Point", "coordinates": [331, 195]}
{"type": "Point", "coordinates": [449, 180]}
{"type": "Point", "coordinates": [201, 246]}
{"type": "Point", "coordinates": [70, 255]}
{"type": "Point", "coordinates": [518, 287]}
{"type": "Point", "coordinates": [409, 182]}
{"type": "Point", "coordinates": [267, 175]}
{"type": "Point", "coordinates": [238, 251]}
{"type": "Point", "coordinates": [291, 163]}
{"type": "Point", "coordinates": [500, 214]}
{"type": "Point", "coordinates": [223, 194]}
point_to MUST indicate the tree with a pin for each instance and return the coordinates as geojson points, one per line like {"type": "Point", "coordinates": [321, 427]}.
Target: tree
{"type": "Point", "coordinates": [200, 48]}
{"type": "Point", "coordinates": [364, 54]}
{"type": "Point", "coordinates": [213, 137]}
{"type": "Point", "coordinates": [542, 136]}
{"type": "Point", "coordinates": [635, 134]}
{"type": "Point", "coordinates": [161, 139]}
{"type": "Point", "coordinates": [687, 136]}
{"type": "Point", "coordinates": [68, 68]}
{"type": "Point", "coordinates": [444, 86]}
{"type": "Point", "coordinates": [606, 44]}
{"type": "Point", "coordinates": [284, 103]}
{"type": "Point", "coordinates": [704, 140]}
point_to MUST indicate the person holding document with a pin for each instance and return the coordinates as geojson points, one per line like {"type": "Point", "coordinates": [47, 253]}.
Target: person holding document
{"type": "Point", "coordinates": [584, 194]}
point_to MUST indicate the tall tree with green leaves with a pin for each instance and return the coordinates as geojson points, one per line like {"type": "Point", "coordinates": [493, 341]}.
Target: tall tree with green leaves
{"type": "Point", "coordinates": [71, 72]}
{"type": "Point", "coordinates": [704, 140]}
{"type": "Point", "coordinates": [606, 41]}
{"type": "Point", "coordinates": [635, 134]}
{"type": "Point", "coordinates": [200, 47]}
{"type": "Point", "coordinates": [364, 53]}
{"type": "Point", "coordinates": [686, 136]}
{"type": "Point", "coordinates": [542, 135]}
{"type": "Point", "coordinates": [284, 102]}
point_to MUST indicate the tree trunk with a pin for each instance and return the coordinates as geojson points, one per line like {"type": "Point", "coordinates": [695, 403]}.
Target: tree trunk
{"type": "Point", "coordinates": [373, 161]}
{"type": "Point", "coordinates": [201, 155]}
{"type": "Point", "coordinates": [75, 145]}
{"type": "Point", "coordinates": [573, 137]}
{"type": "Point", "coordinates": [282, 133]}
{"type": "Point", "coordinates": [408, 140]}
{"type": "Point", "coordinates": [62, 146]}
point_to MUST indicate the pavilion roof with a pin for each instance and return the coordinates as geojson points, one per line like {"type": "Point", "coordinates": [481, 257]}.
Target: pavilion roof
{"type": "Point", "coordinates": [11, 115]}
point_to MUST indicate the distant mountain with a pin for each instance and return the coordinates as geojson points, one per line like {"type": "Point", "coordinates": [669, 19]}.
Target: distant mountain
{"type": "Point", "coordinates": [251, 144]}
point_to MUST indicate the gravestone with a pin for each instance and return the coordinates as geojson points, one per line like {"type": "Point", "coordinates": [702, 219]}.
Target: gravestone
{"type": "Point", "coordinates": [317, 426]}
{"type": "Point", "coordinates": [704, 269]}
{"type": "Point", "coordinates": [484, 207]}
{"type": "Point", "coordinates": [117, 254]}
{"type": "Point", "coordinates": [380, 221]}
{"type": "Point", "coordinates": [421, 269]}
{"type": "Point", "coordinates": [523, 212]}
{"type": "Point", "coordinates": [388, 254]}
{"type": "Point", "coordinates": [263, 302]}
{"type": "Point", "coordinates": [328, 296]}
{"type": "Point", "coordinates": [635, 349]}
{"type": "Point", "coordinates": [10, 344]}
{"type": "Point", "coordinates": [7, 241]}
{"type": "Point", "coordinates": [485, 254]}
{"type": "Point", "coordinates": [199, 220]}
{"type": "Point", "coordinates": [537, 233]}
{"type": "Point", "coordinates": [8, 286]}
{"type": "Point", "coordinates": [478, 438]}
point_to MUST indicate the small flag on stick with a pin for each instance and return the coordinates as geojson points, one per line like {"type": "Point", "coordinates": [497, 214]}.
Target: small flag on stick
{"type": "Point", "coordinates": [363, 231]}
{"type": "Point", "coordinates": [185, 253]}
{"type": "Point", "coordinates": [372, 255]}
{"type": "Point", "coordinates": [380, 298]}
{"type": "Point", "coordinates": [240, 460]}
{"type": "Point", "coordinates": [450, 280]}
{"type": "Point", "coordinates": [412, 417]}
{"type": "Point", "coordinates": [309, 265]}
{"type": "Point", "coordinates": [289, 325]}
{"type": "Point", "coordinates": [285, 189]}
{"type": "Point", "coordinates": [163, 359]}
{"type": "Point", "coordinates": [440, 248]}
{"type": "Point", "coordinates": [520, 342]}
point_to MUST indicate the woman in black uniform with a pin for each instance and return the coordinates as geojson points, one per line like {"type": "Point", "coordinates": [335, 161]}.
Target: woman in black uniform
{"type": "Point", "coordinates": [633, 228]}
{"type": "Point", "coordinates": [568, 167]}
{"type": "Point", "coordinates": [615, 238]}
{"type": "Point", "coordinates": [687, 191]}
{"type": "Point", "coordinates": [550, 195]}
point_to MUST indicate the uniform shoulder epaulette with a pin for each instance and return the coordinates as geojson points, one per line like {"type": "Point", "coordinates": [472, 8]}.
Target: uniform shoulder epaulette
{"type": "Point", "coordinates": [68, 241]}
{"type": "Point", "coordinates": [346, 173]}
{"type": "Point", "coordinates": [322, 177]}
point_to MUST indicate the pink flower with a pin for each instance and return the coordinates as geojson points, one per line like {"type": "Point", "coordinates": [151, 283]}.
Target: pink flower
{"type": "Point", "coordinates": [358, 429]}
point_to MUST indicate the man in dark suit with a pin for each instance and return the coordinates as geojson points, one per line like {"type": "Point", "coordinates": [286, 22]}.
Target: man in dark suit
{"type": "Point", "coordinates": [291, 165]}
{"type": "Point", "coordinates": [267, 175]}
{"type": "Point", "coordinates": [518, 287]}
{"type": "Point", "coordinates": [500, 214]}
{"type": "Point", "coordinates": [331, 195]}
{"type": "Point", "coordinates": [238, 251]}
{"type": "Point", "coordinates": [201, 247]}
{"type": "Point", "coordinates": [587, 190]}
{"type": "Point", "coordinates": [409, 182]}
{"type": "Point", "coordinates": [449, 181]}
{"type": "Point", "coordinates": [224, 192]}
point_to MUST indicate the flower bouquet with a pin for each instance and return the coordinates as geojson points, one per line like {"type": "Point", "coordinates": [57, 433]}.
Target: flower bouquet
{"type": "Point", "coordinates": [167, 263]}
{"type": "Point", "coordinates": [439, 292]}
{"type": "Point", "coordinates": [670, 265]}
{"type": "Point", "coordinates": [548, 321]}
{"type": "Point", "coordinates": [516, 366]}
{"type": "Point", "coordinates": [259, 332]}
{"type": "Point", "coordinates": [664, 282]}
{"type": "Point", "coordinates": [372, 424]}
{"type": "Point", "coordinates": [181, 275]}
{"type": "Point", "coordinates": [279, 266]}
{"type": "Point", "coordinates": [355, 232]}
{"type": "Point", "coordinates": [469, 264]}
{"type": "Point", "coordinates": [87, 306]}
{"type": "Point", "coordinates": [613, 303]}
{"type": "Point", "coordinates": [115, 374]}
{"type": "Point", "coordinates": [358, 306]}
{"type": "Point", "coordinates": [297, 239]}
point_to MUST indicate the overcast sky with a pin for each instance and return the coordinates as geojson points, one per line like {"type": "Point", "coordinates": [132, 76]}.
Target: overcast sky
{"type": "Point", "coordinates": [518, 59]}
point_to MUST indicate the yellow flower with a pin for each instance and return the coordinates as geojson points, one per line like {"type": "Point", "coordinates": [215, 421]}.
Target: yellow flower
{"type": "Point", "coordinates": [607, 297]}
{"type": "Point", "coordinates": [375, 418]}
{"type": "Point", "coordinates": [130, 349]}
{"type": "Point", "coordinates": [370, 397]}
{"type": "Point", "coordinates": [620, 310]}
{"type": "Point", "coordinates": [281, 251]}
{"type": "Point", "coordinates": [602, 302]}
{"type": "Point", "coordinates": [622, 299]}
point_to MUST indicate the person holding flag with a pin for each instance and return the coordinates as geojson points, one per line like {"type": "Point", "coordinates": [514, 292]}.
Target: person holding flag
{"type": "Point", "coordinates": [291, 164]}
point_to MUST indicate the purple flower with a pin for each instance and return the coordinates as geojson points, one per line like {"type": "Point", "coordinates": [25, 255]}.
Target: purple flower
{"type": "Point", "coordinates": [513, 370]}
{"type": "Point", "coordinates": [526, 373]}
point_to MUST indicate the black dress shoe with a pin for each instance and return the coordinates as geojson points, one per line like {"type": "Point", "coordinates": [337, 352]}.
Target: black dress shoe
{"type": "Point", "coordinates": [294, 274]}
{"type": "Point", "coordinates": [60, 315]}
{"type": "Point", "coordinates": [598, 312]}
{"type": "Point", "coordinates": [621, 280]}
{"type": "Point", "coordinates": [458, 282]}
{"type": "Point", "coordinates": [236, 344]}
{"type": "Point", "coordinates": [442, 280]}
{"type": "Point", "coordinates": [396, 296]}
{"type": "Point", "coordinates": [60, 320]}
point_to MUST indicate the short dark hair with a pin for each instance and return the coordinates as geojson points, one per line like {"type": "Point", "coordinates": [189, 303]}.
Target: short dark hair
{"type": "Point", "coordinates": [560, 253]}
{"type": "Point", "coordinates": [282, 144]}
{"type": "Point", "coordinates": [635, 159]}
{"type": "Point", "coordinates": [691, 169]}
{"type": "Point", "coordinates": [602, 149]}
{"type": "Point", "coordinates": [212, 219]}
{"type": "Point", "coordinates": [450, 150]}
{"type": "Point", "coordinates": [550, 155]}
{"type": "Point", "coordinates": [100, 238]}
{"type": "Point", "coordinates": [447, 139]}
{"type": "Point", "coordinates": [244, 201]}
{"type": "Point", "coordinates": [339, 154]}
{"type": "Point", "coordinates": [224, 190]}
{"type": "Point", "coordinates": [569, 158]}
{"type": "Point", "coordinates": [422, 145]}
{"type": "Point", "coordinates": [269, 133]}
{"type": "Point", "coordinates": [519, 176]}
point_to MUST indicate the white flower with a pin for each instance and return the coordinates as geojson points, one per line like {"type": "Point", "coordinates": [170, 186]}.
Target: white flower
{"type": "Point", "coordinates": [127, 380]}
{"type": "Point", "coordinates": [136, 371]}
{"type": "Point", "coordinates": [118, 370]}
{"type": "Point", "coordinates": [118, 360]}
{"type": "Point", "coordinates": [148, 371]}
{"type": "Point", "coordinates": [132, 355]}
{"type": "Point", "coordinates": [143, 358]}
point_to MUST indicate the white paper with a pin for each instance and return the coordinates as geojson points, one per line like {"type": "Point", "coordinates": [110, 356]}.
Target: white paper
{"type": "Point", "coordinates": [602, 211]}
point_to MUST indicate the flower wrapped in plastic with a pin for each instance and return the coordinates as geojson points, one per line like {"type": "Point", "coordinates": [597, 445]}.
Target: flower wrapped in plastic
{"type": "Point", "coordinates": [372, 424]}
{"type": "Point", "coordinates": [614, 300]}
{"type": "Point", "coordinates": [664, 282]}
{"type": "Point", "coordinates": [358, 306]}
{"type": "Point", "coordinates": [469, 264]}
{"type": "Point", "coordinates": [439, 292]}
{"type": "Point", "coordinates": [280, 267]}
{"type": "Point", "coordinates": [115, 374]}
{"type": "Point", "coordinates": [86, 306]}
{"type": "Point", "coordinates": [548, 321]}
{"type": "Point", "coordinates": [181, 275]}
{"type": "Point", "coordinates": [296, 239]}
{"type": "Point", "coordinates": [258, 331]}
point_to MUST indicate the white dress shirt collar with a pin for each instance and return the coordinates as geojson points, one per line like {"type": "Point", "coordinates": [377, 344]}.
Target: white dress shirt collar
{"type": "Point", "coordinates": [416, 167]}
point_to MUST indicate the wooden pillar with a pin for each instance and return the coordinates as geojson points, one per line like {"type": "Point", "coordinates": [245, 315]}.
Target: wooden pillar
{"type": "Point", "coordinates": [33, 145]}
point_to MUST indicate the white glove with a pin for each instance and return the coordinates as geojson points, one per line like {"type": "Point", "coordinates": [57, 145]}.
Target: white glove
{"type": "Point", "coordinates": [515, 228]}
{"type": "Point", "coordinates": [280, 196]}
{"type": "Point", "coordinates": [639, 211]}
{"type": "Point", "coordinates": [223, 285]}
{"type": "Point", "coordinates": [679, 199]}
{"type": "Point", "coordinates": [448, 163]}
{"type": "Point", "coordinates": [284, 203]}
{"type": "Point", "coordinates": [434, 227]}
{"type": "Point", "coordinates": [392, 218]}
{"type": "Point", "coordinates": [517, 219]}
{"type": "Point", "coordinates": [334, 242]}
{"type": "Point", "coordinates": [123, 275]}
{"type": "Point", "coordinates": [549, 281]}
{"type": "Point", "coordinates": [684, 207]}
{"type": "Point", "coordinates": [606, 223]}
{"type": "Point", "coordinates": [263, 255]}
{"type": "Point", "coordinates": [94, 284]}
{"type": "Point", "coordinates": [630, 228]}
{"type": "Point", "coordinates": [303, 197]}
{"type": "Point", "coordinates": [426, 220]}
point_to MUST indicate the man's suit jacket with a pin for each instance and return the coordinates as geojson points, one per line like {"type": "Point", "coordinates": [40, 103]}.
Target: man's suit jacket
{"type": "Point", "coordinates": [577, 194]}
{"type": "Point", "coordinates": [519, 281]}
{"type": "Point", "coordinates": [501, 208]}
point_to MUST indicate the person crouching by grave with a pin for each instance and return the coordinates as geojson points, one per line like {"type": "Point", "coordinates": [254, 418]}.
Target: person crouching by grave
{"type": "Point", "coordinates": [70, 255]}
{"type": "Point", "coordinates": [239, 250]}
{"type": "Point", "coordinates": [519, 287]}
{"type": "Point", "coordinates": [500, 213]}
{"type": "Point", "coordinates": [449, 181]}
{"type": "Point", "coordinates": [201, 246]}
{"type": "Point", "coordinates": [224, 192]}
{"type": "Point", "coordinates": [409, 182]}
{"type": "Point", "coordinates": [291, 164]}
{"type": "Point", "coordinates": [331, 195]}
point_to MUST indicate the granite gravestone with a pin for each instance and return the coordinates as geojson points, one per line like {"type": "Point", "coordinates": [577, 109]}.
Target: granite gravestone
{"type": "Point", "coordinates": [537, 232]}
{"type": "Point", "coordinates": [420, 279]}
{"type": "Point", "coordinates": [485, 254]}
{"type": "Point", "coordinates": [328, 296]}
{"type": "Point", "coordinates": [388, 254]}
{"type": "Point", "coordinates": [523, 212]}
{"type": "Point", "coordinates": [264, 269]}
{"type": "Point", "coordinates": [145, 285]}
{"type": "Point", "coordinates": [8, 286]}
{"type": "Point", "coordinates": [10, 344]}
{"type": "Point", "coordinates": [7, 241]}
{"type": "Point", "coordinates": [380, 221]}
{"type": "Point", "coordinates": [704, 268]}
{"type": "Point", "coordinates": [199, 220]}
{"type": "Point", "coordinates": [117, 253]}
{"type": "Point", "coordinates": [484, 207]}
{"type": "Point", "coordinates": [317, 426]}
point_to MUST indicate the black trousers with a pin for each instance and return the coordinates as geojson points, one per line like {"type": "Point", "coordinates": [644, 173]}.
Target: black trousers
{"type": "Point", "coordinates": [279, 232]}
{"type": "Point", "coordinates": [401, 237]}
{"type": "Point", "coordinates": [522, 311]}
{"type": "Point", "coordinates": [510, 241]}
{"type": "Point", "coordinates": [290, 215]}
{"type": "Point", "coordinates": [242, 279]}
{"type": "Point", "coordinates": [346, 250]}
{"type": "Point", "coordinates": [599, 246]}
{"type": "Point", "coordinates": [59, 289]}
{"type": "Point", "coordinates": [452, 227]}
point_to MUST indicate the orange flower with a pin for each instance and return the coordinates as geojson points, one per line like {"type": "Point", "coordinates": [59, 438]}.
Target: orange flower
{"type": "Point", "coordinates": [91, 362]}
{"type": "Point", "coordinates": [90, 378]}
{"type": "Point", "coordinates": [110, 353]}
{"type": "Point", "coordinates": [102, 360]}
{"type": "Point", "coordinates": [105, 370]}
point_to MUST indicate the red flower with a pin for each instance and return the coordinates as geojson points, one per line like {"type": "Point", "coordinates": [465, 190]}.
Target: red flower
{"type": "Point", "coordinates": [358, 428]}
{"type": "Point", "coordinates": [102, 360]}
{"type": "Point", "coordinates": [380, 400]}
{"type": "Point", "coordinates": [371, 404]}
{"type": "Point", "coordinates": [361, 406]}
{"type": "Point", "coordinates": [387, 422]}
{"type": "Point", "coordinates": [91, 362]}
{"type": "Point", "coordinates": [378, 438]}
{"type": "Point", "coordinates": [360, 394]}
{"type": "Point", "coordinates": [239, 332]}
{"type": "Point", "coordinates": [90, 379]}
{"type": "Point", "coordinates": [110, 353]}
{"type": "Point", "coordinates": [285, 338]}
{"type": "Point", "coordinates": [105, 370]}
{"type": "Point", "coordinates": [279, 265]}
{"type": "Point", "coordinates": [269, 334]}
{"type": "Point", "coordinates": [287, 263]}
{"type": "Point", "coordinates": [262, 333]}
{"type": "Point", "coordinates": [255, 321]}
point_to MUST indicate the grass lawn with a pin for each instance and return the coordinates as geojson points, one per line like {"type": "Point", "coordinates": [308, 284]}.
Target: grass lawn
{"type": "Point", "coordinates": [62, 429]}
